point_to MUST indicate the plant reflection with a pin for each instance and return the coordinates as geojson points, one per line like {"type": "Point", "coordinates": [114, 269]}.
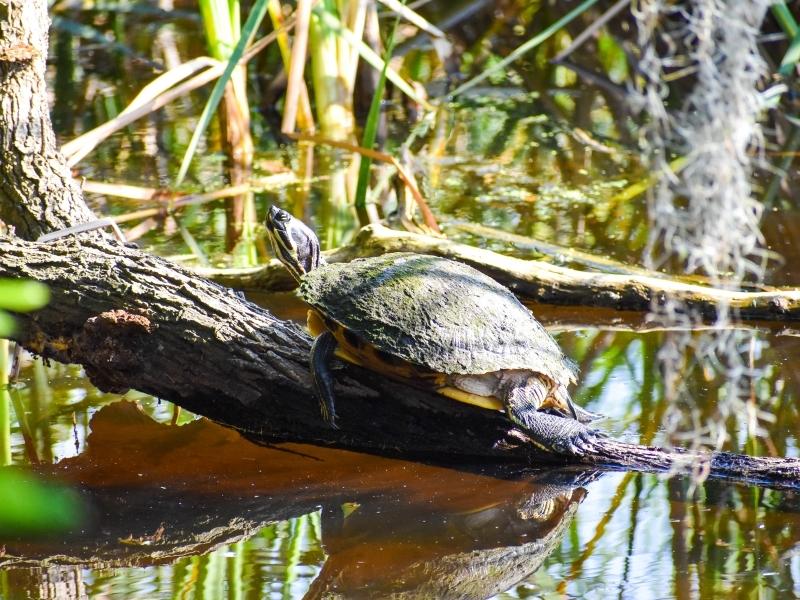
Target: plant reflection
{"type": "Point", "coordinates": [213, 514]}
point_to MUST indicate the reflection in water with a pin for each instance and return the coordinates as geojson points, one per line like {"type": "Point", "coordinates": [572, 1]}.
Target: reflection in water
{"type": "Point", "coordinates": [474, 553]}
{"type": "Point", "coordinates": [163, 493]}
{"type": "Point", "coordinates": [197, 511]}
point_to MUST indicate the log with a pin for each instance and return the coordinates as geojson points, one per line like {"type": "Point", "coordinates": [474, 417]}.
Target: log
{"type": "Point", "coordinates": [535, 281]}
{"type": "Point", "coordinates": [139, 321]}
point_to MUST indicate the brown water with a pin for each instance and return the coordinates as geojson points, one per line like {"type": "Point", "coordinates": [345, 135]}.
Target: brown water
{"type": "Point", "coordinates": [195, 511]}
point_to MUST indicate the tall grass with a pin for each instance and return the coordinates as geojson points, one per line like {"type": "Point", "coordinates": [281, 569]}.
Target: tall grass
{"type": "Point", "coordinates": [5, 407]}
{"type": "Point", "coordinates": [371, 128]}
{"type": "Point", "coordinates": [221, 21]}
{"type": "Point", "coordinates": [789, 26]}
{"type": "Point", "coordinates": [525, 47]}
{"type": "Point", "coordinates": [331, 68]}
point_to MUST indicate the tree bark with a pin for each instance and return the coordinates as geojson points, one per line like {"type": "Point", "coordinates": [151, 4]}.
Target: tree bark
{"type": "Point", "coordinates": [37, 191]}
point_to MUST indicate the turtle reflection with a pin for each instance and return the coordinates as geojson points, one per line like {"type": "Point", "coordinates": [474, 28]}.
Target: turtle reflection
{"type": "Point", "coordinates": [379, 549]}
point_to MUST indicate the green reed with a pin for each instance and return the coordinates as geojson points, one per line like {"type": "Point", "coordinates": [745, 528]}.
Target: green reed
{"type": "Point", "coordinates": [371, 126]}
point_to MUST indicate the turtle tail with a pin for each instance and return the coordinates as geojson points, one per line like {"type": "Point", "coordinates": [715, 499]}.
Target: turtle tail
{"type": "Point", "coordinates": [581, 415]}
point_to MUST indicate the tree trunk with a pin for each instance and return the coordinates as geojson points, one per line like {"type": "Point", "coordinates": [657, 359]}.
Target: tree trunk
{"type": "Point", "coordinates": [37, 191]}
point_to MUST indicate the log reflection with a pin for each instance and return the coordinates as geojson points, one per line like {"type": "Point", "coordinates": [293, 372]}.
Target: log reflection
{"type": "Point", "coordinates": [158, 493]}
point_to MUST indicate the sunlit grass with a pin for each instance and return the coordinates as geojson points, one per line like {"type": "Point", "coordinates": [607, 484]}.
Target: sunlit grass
{"type": "Point", "coordinates": [247, 32]}
{"type": "Point", "coordinates": [371, 126]}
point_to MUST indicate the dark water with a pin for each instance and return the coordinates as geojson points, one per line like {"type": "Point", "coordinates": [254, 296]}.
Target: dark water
{"type": "Point", "coordinates": [242, 520]}
{"type": "Point", "coordinates": [196, 511]}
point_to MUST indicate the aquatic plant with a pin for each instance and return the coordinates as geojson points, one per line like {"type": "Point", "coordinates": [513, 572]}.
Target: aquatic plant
{"type": "Point", "coordinates": [222, 24]}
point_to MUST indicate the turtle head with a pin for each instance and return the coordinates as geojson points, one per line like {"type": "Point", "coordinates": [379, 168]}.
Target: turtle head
{"type": "Point", "coordinates": [294, 243]}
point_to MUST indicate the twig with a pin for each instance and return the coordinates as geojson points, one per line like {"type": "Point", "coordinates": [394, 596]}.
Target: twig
{"type": "Point", "coordinates": [593, 27]}
{"type": "Point", "coordinates": [594, 78]}
{"type": "Point", "coordinates": [413, 17]}
{"type": "Point", "coordinates": [187, 200]}
{"type": "Point", "coordinates": [407, 178]}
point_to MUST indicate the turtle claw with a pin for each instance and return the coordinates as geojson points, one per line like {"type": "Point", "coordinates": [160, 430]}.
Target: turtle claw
{"type": "Point", "coordinates": [328, 413]}
{"type": "Point", "coordinates": [330, 420]}
{"type": "Point", "coordinates": [559, 434]}
{"type": "Point", "coordinates": [580, 443]}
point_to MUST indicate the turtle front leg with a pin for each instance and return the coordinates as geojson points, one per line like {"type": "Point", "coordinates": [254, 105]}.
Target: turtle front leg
{"type": "Point", "coordinates": [552, 433]}
{"type": "Point", "coordinates": [321, 353]}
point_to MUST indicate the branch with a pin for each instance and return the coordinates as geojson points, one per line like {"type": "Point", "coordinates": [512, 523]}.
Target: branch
{"type": "Point", "coordinates": [538, 281]}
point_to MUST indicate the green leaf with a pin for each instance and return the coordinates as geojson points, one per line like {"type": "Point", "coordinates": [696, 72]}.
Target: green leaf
{"type": "Point", "coordinates": [613, 58]}
{"type": "Point", "coordinates": [791, 57]}
{"type": "Point", "coordinates": [371, 126]}
{"type": "Point", "coordinates": [785, 19]}
{"type": "Point", "coordinates": [7, 324]}
{"type": "Point", "coordinates": [29, 505]}
{"type": "Point", "coordinates": [21, 295]}
{"type": "Point", "coordinates": [370, 57]}
{"type": "Point", "coordinates": [253, 21]}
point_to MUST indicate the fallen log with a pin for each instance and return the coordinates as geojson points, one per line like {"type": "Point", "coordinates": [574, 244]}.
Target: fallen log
{"type": "Point", "coordinates": [536, 281]}
{"type": "Point", "coordinates": [138, 321]}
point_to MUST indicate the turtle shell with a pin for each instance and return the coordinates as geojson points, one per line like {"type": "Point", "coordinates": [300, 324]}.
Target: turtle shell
{"type": "Point", "coordinates": [437, 313]}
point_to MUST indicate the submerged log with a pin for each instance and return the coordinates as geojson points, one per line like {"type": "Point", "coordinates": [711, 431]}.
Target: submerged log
{"type": "Point", "coordinates": [538, 281]}
{"type": "Point", "coordinates": [138, 321]}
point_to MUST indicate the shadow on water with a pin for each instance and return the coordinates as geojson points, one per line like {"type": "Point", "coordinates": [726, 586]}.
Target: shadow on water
{"type": "Point", "coordinates": [160, 493]}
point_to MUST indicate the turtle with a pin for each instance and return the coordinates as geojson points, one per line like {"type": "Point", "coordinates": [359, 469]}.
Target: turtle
{"type": "Point", "coordinates": [435, 323]}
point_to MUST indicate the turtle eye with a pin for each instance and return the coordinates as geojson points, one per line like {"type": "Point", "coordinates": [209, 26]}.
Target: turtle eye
{"type": "Point", "coordinates": [282, 216]}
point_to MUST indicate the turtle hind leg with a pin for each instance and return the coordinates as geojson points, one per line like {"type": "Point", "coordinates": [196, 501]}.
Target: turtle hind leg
{"type": "Point", "coordinates": [549, 432]}
{"type": "Point", "coordinates": [321, 353]}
